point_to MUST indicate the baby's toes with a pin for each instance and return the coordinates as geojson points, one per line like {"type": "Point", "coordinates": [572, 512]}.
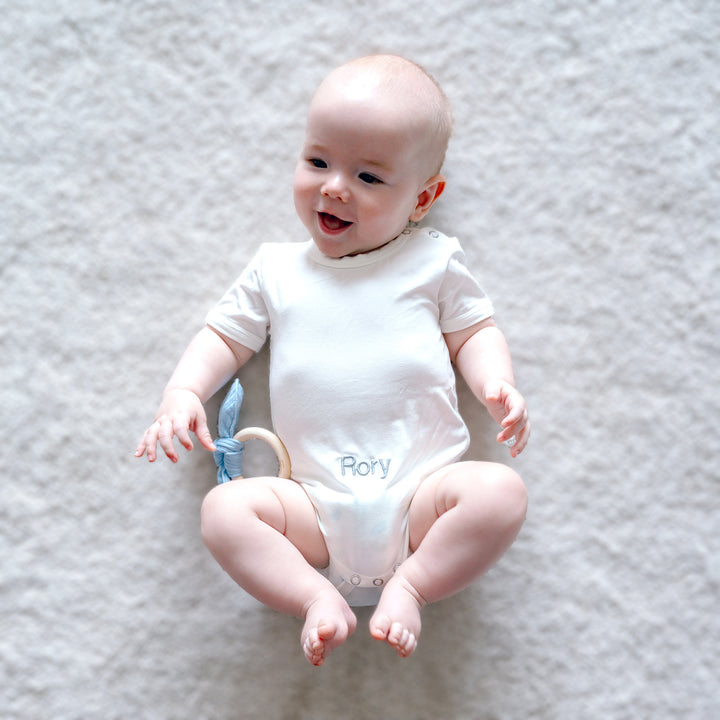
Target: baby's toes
{"type": "Point", "coordinates": [409, 646]}
{"type": "Point", "coordinates": [313, 648]}
{"type": "Point", "coordinates": [402, 639]}
{"type": "Point", "coordinates": [380, 627]}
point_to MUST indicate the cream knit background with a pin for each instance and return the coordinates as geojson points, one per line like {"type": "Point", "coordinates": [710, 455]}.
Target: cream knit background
{"type": "Point", "coordinates": [147, 147]}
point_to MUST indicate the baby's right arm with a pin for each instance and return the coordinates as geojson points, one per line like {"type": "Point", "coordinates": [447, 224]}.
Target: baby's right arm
{"type": "Point", "coordinates": [209, 361]}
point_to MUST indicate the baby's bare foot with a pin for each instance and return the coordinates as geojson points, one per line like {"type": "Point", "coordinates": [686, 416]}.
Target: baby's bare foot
{"type": "Point", "coordinates": [329, 622]}
{"type": "Point", "coordinates": [397, 617]}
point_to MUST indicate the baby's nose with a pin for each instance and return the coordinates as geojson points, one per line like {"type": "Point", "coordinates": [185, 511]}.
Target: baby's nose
{"type": "Point", "coordinates": [336, 187]}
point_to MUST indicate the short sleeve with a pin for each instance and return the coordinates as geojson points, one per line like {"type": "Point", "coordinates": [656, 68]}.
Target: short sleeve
{"type": "Point", "coordinates": [462, 302]}
{"type": "Point", "coordinates": [242, 313]}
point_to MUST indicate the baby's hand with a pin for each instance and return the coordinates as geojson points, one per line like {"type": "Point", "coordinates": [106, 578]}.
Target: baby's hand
{"type": "Point", "coordinates": [508, 408]}
{"type": "Point", "coordinates": [180, 412]}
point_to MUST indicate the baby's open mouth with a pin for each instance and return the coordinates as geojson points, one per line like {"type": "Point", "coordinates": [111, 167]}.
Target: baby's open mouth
{"type": "Point", "coordinates": [331, 223]}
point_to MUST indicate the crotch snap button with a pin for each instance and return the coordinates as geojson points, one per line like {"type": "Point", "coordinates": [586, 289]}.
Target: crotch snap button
{"type": "Point", "coordinates": [355, 580]}
{"type": "Point", "coordinates": [378, 582]}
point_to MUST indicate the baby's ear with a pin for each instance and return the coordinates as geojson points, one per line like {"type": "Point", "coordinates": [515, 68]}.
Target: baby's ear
{"type": "Point", "coordinates": [431, 191]}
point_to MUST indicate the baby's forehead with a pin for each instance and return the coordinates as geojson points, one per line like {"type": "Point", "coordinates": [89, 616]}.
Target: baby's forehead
{"type": "Point", "coordinates": [371, 96]}
{"type": "Point", "coordinates": [378, 119]}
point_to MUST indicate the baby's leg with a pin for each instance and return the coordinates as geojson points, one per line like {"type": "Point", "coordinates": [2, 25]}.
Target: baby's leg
{"type": "Point", "coordinates": [265, 535]}
{"type": "Point", "coordinates": [462, 519]}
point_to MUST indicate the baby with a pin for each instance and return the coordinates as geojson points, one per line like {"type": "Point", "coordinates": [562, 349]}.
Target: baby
{"type": "Point", "coordinates": [367, 319]}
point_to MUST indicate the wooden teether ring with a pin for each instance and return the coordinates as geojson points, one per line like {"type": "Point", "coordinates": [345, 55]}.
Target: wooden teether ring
{"type": "Point", "coordinates": [256, 433]}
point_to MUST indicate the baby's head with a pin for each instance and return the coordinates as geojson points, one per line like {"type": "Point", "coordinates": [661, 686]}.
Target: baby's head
{"type": "Point", "coordinates": [377, 132]}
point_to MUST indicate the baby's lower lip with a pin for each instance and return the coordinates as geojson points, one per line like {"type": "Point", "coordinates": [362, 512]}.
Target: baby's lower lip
{"type": "Point", "coordinates": [332, 224]}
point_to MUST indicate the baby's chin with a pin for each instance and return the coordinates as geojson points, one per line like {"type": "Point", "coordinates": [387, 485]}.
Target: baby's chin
{"type": "Point", "coordinates": [333, 248]}
{"type": "Point", "coordinates": [337, 247]}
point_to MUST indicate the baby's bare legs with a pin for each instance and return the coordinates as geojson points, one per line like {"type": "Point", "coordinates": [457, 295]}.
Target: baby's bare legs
{"type": "Point", "coordinates": [264, 533]}
{"type": "Point", "coordinates": [462, 519]}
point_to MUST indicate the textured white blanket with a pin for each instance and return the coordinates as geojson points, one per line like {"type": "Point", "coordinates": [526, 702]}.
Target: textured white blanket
{"type": "Point", "coordinates": [147, 147]}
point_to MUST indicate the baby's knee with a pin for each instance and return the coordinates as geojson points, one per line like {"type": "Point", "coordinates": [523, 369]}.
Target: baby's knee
{"type": "Point", "coordinates": [211, 516]}
{"type": "Point", "coordinates": [511, 495]}
{"type": "Point", "coordinates": [500, 493]}
{"type": "Point", "coordinates": [224, 511]}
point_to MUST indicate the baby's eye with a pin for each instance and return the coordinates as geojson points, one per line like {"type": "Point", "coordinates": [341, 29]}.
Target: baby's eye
{"type": "Point", "coordinates": [369, 179]}
{"type": "Point", "coordinates": [317, 162]}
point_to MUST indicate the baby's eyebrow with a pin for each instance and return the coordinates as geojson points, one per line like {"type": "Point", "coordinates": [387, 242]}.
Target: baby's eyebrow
{"type": "Point", "coordinates": [314, 148]}
{"type": "Point", "coordinates": [379, 164]}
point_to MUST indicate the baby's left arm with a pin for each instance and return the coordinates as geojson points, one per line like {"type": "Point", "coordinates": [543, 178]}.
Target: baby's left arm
{"type": "Point", "coordinates": [481, 354]}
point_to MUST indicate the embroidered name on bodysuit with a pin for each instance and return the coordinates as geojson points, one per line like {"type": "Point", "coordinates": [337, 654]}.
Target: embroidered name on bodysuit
{"type": "Point", "coordinates": [351, 465]}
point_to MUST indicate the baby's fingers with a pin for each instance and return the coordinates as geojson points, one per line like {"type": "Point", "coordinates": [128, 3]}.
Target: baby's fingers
{"type": "Point", "coordinates": [182, 434]}
{"type": "Point", "coordinates": [515, 429]}
{"type": "Point", "coordinates": [513, 422]}
{"type": "Point", "coordinates": [517, 441]}
{"type": "Point", "coordinates": [140, 449]}
{"type": "Point", "coordinates": [515, 408]}
{"type": "Point", "coordinates": [165, 435]}
{"type": "Point", "coordinates": [522, 440]}
{"type": "Point", "coordinates": [148, 443]}
{"type": "Point", "coordinates": [203, 435]}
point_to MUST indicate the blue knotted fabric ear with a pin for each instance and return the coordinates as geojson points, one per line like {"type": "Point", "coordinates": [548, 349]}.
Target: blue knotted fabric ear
{"type": "Point", "coordinates": [228, 456]}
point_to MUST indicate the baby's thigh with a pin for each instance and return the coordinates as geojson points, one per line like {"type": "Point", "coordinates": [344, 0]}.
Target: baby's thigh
{"type": "Point", "coordinates": [485, 489]}
{"type": "Point", "coordinates": [279, 503]}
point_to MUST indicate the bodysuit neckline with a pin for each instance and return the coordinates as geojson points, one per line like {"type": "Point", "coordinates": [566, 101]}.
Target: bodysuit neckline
{"type": "Point", "coordinates": [369, 258]}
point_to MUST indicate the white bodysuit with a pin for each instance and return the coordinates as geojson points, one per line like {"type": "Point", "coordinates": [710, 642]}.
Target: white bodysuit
{"type": "Point", "coordinates": [362, 389]}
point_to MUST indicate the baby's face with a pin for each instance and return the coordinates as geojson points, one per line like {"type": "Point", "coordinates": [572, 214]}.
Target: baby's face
{"type": "Point", "coordinates": [361, 170]}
